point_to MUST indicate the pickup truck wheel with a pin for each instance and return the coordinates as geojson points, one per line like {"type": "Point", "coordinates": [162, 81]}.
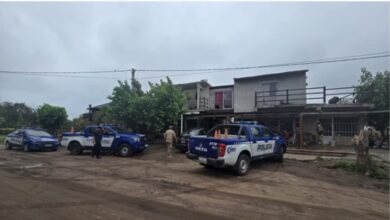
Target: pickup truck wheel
{"type": "Point", "coordinates": [279, 159]}
{"type": "Point", "coordinates": [8, 146]}
{"type": "Point", "coordinates": [242, 165]}
{"type": "Point", "coordinates": [125, 150]}
{"type": "Point", "coordinates": [75, 148]}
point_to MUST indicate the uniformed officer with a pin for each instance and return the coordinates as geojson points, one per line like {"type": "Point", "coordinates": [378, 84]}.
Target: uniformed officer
{"type": "Point", "coordinates": [170, 138]}
{"type": "Point", "coordinates": [97, 135]}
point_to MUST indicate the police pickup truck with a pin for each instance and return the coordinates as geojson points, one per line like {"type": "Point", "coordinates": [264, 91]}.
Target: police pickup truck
{"type": "Point", "coordinates": [114, 140]}
{"type": "Point", "coordinates": [236, 145]}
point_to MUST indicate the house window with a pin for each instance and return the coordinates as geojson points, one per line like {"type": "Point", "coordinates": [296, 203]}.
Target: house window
{"type": "Point", "coordinates": [223, 99]}
{"type": "Point", "coordinates": [272, 89]}
{"type": "Point", "coordinates": [227, 99]}
{"type": "Point", "coordinates": [345, 126]}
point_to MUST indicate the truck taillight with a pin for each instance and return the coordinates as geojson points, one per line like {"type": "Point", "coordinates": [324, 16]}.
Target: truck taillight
{"type": "Point", "coordinates": [221, 149]}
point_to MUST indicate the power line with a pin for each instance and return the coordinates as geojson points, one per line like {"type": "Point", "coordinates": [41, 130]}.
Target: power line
{"type": "Point", "coordinates": [66, 72]}
{"type": "Point", "coordinates": [196, 71]}
{"type": "Point", "coordinates": [330, 60]}
{"type": "Point", "coordinates": [56, 75]}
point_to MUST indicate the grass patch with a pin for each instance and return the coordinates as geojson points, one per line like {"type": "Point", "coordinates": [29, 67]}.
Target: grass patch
{"type": "Point", "coordinates": [377, 171]}
{"type": "Point", "coordinates": [2, 138]}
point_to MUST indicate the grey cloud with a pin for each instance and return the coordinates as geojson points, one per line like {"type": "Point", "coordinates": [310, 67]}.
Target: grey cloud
{"type": "Point", "coordinates": [94, 36]}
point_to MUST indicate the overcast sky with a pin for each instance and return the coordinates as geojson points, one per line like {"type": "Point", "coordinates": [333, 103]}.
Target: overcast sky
{"type": "Point", "coordinates": [105, 36]}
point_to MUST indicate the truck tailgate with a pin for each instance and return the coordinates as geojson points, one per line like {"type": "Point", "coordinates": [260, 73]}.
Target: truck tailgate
{"type": "Point", "coordinates": [203, 146]}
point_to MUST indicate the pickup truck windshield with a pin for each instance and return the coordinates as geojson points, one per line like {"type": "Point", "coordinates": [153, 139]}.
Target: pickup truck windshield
{"type": "Point", "coordinates": [233, 131]}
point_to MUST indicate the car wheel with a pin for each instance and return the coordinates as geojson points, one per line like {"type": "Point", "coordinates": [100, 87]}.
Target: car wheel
{"type": "Point", "coordinates": [54, 149]}
{"type": "Point", "coordinates": [25, 147]}
{"type": "Point", "coordinates": [8, 146]}
{"type": "Point", "coordinates": [242, 165]}
{"type": "Point", "coordinates": [125, 150]}
{"type": "Point", "coordinates": [75, 148]}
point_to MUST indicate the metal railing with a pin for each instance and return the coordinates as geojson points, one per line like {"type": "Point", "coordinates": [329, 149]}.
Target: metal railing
{"type": "Point", "coordinates": [302, 96]}
{"type": "Point", "coordinates": [203, 104]}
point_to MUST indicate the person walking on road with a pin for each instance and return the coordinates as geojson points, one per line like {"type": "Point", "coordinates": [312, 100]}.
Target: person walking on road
{"type": "Point", "coordinates": [97, 142]}
{"type": "Point", "coordinates": [320, 133]}
{"type": "Point", "coordinates": [170, 138]}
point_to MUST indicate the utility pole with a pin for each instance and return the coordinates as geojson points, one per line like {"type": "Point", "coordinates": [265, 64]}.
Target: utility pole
{"type": "Point", "coordinates": [132, 74]}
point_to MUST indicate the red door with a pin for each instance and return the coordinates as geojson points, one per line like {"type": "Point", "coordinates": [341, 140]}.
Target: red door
{"type": "Point", "coordinates": [218, 100]}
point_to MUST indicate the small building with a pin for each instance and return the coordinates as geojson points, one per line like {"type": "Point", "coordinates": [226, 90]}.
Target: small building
{"type": "Point", "coordinates": [281, 101]}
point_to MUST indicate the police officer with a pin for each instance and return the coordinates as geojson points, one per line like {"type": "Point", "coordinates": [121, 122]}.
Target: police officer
{"type": "Point", "coordinates": [98, 135]}
{"type": "Point", "coordinates": [170, 138]}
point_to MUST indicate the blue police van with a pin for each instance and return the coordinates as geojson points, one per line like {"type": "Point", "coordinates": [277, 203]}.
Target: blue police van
{"type": "Point", "coordinates": [31, 139]}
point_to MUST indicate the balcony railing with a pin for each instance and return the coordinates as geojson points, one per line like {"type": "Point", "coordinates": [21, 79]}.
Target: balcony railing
{"type": "Point", "coordinates": [203, 104]}
{"type": "Point", "coordinates": [303, 96]}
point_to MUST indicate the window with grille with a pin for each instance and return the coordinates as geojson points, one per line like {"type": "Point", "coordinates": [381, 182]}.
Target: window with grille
{"type": "Point", "coordinates": [345, 126]}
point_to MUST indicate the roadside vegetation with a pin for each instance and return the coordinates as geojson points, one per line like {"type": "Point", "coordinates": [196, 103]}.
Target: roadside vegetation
{"type": "Point", "coordinates": [2, 138]}
{"type": "Point", "coordinates": [376, 169]}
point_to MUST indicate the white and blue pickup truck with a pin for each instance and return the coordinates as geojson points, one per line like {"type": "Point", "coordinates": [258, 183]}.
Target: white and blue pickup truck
{"type": "Point", "coordinates": [236, 145]}
{"type": "Point", "coordinates": [114, 140]}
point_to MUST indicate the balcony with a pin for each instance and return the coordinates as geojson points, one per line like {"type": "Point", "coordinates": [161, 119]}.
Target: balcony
{"type": "Point", "coordinates": [203, 104]}
{"type": "Point", "coordinates": [313, 95]}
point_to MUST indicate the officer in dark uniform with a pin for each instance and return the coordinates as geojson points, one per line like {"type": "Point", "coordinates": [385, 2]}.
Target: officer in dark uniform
{"type": "Point", "coordinates": [98, 135]}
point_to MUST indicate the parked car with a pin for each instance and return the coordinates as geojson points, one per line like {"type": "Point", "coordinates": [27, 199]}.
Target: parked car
{"type": "Point", "coordinates": [31, 139]}
{"type": "Point", "coordinates": [114, 140]}
{"type": "Point", "coordinates": [236, 145]}
{"type": "Point", "coordinates": [183, 140]}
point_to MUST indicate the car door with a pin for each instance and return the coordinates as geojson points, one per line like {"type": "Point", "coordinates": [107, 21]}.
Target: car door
{"type": "Point", "coordinates": [257, 142]}
{"type": "Point", "coordinates": [268, 142]}
{"type": "Point", "coordinates": [14, 138]}
{"type": "Point", "coordinates": [88, 138]}
{"type": "Point", "coordinates": [108, 137]}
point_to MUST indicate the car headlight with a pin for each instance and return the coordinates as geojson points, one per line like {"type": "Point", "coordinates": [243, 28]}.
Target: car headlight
{"type": "Point", "coordinates": [136, 139]}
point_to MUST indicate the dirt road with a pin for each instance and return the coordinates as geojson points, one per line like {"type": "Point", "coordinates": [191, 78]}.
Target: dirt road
{"type": "Point", "coordinates": [56, 185]}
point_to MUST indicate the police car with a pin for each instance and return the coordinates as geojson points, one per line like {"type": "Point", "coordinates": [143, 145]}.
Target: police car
{"type": "Point", "coordinates": [31, 139]}
{"type": "Point", "coordinates": [114, 140]}
{"type": "Point", "coordinates": [236, 145]}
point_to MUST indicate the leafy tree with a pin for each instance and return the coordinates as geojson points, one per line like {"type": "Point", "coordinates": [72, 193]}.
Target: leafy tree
{"type": "Point", "coordinates": [51, 117]}
{"type": "Point", "coordinates": [146, 112]}
{"type": "Point", "coordinates": [165, 104]}
{"type": "Point", "coordinates": [374, 89]}
{"type": "Point", "coordinates": [17, 115]}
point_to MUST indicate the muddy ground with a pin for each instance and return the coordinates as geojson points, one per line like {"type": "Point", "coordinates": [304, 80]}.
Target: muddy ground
{"type": "Point", "coordinates": [56, 185]}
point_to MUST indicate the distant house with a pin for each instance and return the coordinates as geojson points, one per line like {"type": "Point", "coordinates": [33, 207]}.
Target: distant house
{"type": "Point", "coordinates": [281, 101]}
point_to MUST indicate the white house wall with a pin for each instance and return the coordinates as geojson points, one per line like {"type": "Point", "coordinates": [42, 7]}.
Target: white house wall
{"type": "Point", "coordinates": [244, 95]}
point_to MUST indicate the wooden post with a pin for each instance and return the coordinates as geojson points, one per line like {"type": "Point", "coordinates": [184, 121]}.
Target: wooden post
{"type": "Point", "coordinates": [324, 95]}
{"type": "Point", "coordinates": [132, 74]}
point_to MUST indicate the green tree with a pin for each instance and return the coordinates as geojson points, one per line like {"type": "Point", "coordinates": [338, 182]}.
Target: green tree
{"type": "Point", "coordinates": [52, 118]}
{"type": "Point", "coordinates": [15, 115]}
{"type": "Point", "coordinates": [165, 104]}
{"type": "Point", "coordinates": [374, 89]}
{"type": "Point", "coordinates": [147, 112]}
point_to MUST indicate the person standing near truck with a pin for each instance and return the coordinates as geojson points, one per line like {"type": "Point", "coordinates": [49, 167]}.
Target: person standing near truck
{"type": "Point", "coordinates": [320, 133]}
{"type": "Point", "coordinates": [97, 140]}
{"type": "Point", "coordinates": [170, 138]}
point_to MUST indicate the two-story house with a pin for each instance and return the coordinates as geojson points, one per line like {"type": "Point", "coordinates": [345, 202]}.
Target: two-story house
{"type": "Point", "coordinates": [279, 100]}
